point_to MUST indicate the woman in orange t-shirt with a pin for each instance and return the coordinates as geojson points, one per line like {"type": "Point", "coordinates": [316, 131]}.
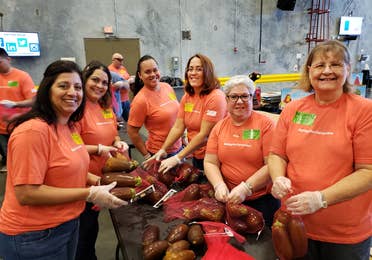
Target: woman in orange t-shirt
{"type": "Point", "coordinates": [98, 129]}
{"type": "Point", "coordinates": [237, 149]}
{"type": "Point", "coordinates": [201, 107]}
{"type": "Point", "coordinates": [48, 175]}
{"type": "Point", "coordinates": [155, 106]}
{"type": "Point", "coordinates": [321, 158]}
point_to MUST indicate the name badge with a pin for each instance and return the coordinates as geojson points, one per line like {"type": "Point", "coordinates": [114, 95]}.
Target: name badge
{"type": "Point", "coordinates": [77, 138]}
{"type": "Point", "coordinates": [107, 113]}
{"type": "Point", "coordinates": [172, 96]}
{"type": "Point", "coordinates": [302, 118]}
{"type": "Point", "coordinates": [251, 134]}
{"type": "Point", "coordinates": [189, 107]}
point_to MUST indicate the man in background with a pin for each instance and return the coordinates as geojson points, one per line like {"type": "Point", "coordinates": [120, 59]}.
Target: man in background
{"type": "Point", "coordinates": [118, 67]}
{"type": "Point", "coordinates": [17, 90]}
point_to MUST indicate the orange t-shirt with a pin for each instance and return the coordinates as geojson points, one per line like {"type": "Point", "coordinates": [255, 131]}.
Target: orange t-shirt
{"type": "Point", "coordinates": [322, 143]}
{"type": "Point", "coordinates": [241, 149]}
{"type": "Point", "coordinates": [158, 112]}
{"type": "Point", "coordinates": [16, 85]}
{"type": "Point", "coordinates": [98, 126]}
{"type": "Point", "coordinates": [195, 109]}
{"type": "Point", "coordinates": [122, 71]}
{"type": "Point", "coordinates": [38, 154]}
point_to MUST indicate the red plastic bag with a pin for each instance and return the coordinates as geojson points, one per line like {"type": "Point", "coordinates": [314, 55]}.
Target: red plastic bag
{"type": "Point", "coordinates": [244, 219]}
{"type": "Point", "coordinates": [203, 209]}
{"type": "Point", "coordinates": [217, 236]}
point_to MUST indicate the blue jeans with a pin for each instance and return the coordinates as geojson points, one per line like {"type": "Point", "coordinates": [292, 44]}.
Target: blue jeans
{"type": "Point", "coordinates": [58, 243]}
{"type": "Point", "coordinates": [126, 107]}
{"type": "Point", "coordinates": [319, 250]}
{"type": "Point", "coordinates": [88, 233]}
{"type": "Point", "coordinates": [3, 147]}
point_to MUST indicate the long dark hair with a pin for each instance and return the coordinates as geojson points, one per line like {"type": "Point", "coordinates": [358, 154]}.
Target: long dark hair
{"type": "Point", "coordinates": [106, 100]}
{"type": "Point", "coordinates": [211, 81]}
{"type": "Point", "coordinates": [42, 107]}
{"type": "Point", "coordinates": [138, 83]}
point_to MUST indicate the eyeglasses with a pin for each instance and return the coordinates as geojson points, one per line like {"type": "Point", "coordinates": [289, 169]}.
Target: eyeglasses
{"type": "Point", "coordinates": [335, 67]}
{"type": "Point", "coordinates": [244, 98]}
{"type": "Point", "coordinates": [118, 59]}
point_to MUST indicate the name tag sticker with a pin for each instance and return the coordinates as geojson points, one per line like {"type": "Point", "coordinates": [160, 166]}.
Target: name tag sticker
{"type": "Point", "coordinates": [302, 118]}
{"type": "Point", "coordinates": [107, 113]}
{"type": "Point", "coordinates": [77, 138]}
{"type": "Point", "coordinates": [211, 113]}
{"type": "Point", "coordinates": [172, 96]}
{"type": "Point", "coordinates": [189, 107]}
{"type": "Point", "coordinates": [251, 134]}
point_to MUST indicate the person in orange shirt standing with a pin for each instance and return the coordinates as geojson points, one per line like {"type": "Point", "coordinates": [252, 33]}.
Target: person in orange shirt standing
{"type": "Point", "coordinates": [237, 150]}
{"type": "Point", "coordinates": [48, 180]}
{"type": "Point", "coordinates": [118, 67]}
{"type": "Point", "coordinates": [17, 91]}
{"type": "Point", "coordinates": [321, 157]}
{"type": "Point", "coordinates": [201, 107]}
{"type": "Point", "coordinates": [154, 105]}
{"type": "Point", "coordinates": [98, 130]}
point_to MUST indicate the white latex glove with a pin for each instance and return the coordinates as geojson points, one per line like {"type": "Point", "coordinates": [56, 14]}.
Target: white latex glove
{"type": "Point", "coordinates": [169, 163]}
{"type": "Point", "coordinates": [281, 187]}
{"type": "Point", "coordinates": [101, 196]}
{"type": "Point", "coordinates": [8, 103]}
{"type": "Point", "coordinates": [304, 203]}
{"type": "Point", "coordinates": [105, 150]}
{"type": "Point", "coordinates": [221, 192]}
{"type": "Point", "coordinates": [239, 193]}
{"type": "Point", "coordinates": [157, 157]}
{"type": "Point", "coordinates": [121, 145]}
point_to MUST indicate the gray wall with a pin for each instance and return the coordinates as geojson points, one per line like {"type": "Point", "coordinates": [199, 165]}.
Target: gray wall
{"type": "Point", "coordinates": [217, 26]}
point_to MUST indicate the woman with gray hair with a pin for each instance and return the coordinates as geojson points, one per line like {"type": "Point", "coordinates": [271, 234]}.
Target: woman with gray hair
{"type": "Point", "coordinates": [235, 160]}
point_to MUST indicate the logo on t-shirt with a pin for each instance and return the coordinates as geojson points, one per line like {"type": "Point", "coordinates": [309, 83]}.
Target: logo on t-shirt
{"type": "Point", "coordinates": [211, 112]}
{"type": "Point", "coordinates": [251, 134]}
{"type": "Point", "coordinates": [303, 118]}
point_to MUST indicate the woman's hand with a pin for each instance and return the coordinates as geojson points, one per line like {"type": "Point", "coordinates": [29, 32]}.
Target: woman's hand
{"type": "Point", "coordinates": [239, 193]}
{"type": "Point", "coordinates": [169, 163]}
{"type": "Point", "coordinates": [157, 157]}
{"type": "Point", "coordinates": [221, 192]}
{"type": "Point", "coordinates": [101, 196]}
{"type": "Point", "coordinates": [121, 145]}
{"type": "Point", "coordinates": [281, 187]}
{"type": "Point", "coordinates": [104, 150]}
{"type": "Point", "coordinates": [304, 203]}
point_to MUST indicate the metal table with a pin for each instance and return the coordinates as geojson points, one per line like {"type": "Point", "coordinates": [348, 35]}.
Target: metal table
{"type": "Point", "coordinates": [130, 221]}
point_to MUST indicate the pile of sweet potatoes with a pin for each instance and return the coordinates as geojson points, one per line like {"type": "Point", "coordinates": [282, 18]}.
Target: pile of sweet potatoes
{"type": "Point", "coordinates": [178, 245]}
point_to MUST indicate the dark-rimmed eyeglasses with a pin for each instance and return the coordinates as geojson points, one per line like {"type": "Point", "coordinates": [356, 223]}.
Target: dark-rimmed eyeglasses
{"type": "Point", "coordinates": [118, 59]}
{"type": "Point", "coordinates": [244, 98]}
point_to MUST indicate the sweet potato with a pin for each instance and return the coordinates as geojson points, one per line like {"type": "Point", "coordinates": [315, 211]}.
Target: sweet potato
{"type": "Point", "coordinates": [192, 192]}
{"type": "Point", "coordinates": [178, 232]}
{"type": "Point", "coordinates": [117, 165]}
{"type": "Point", "coordinates": [281, 241]}
{"type": "Point", "coordinates": [255, 222]}
{"type": "Point", "coordinates": [155, 250]}
{"type": "Point", "coordinates": [195, 235]}
{"type": "Point", "coordinates": [124, 193]}
{"type": "Point", "coordinates": [297, 235]}
{"type": "Point", "coordinates": [122, 179]}
{"type": "Point", "coordinates": [180, 255]}
{"type": "Point", "coordinates": [236, 210]}
{"type": "Point", "coordinates": [150, 235]}
{"type": "Point", "coordinates": [212, 214]}
{"type": "Point", "coordinates": [179, 246]}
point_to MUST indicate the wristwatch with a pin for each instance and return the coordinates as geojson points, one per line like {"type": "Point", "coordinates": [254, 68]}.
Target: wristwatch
{"type": "Point", "coordinates": [324, 202]}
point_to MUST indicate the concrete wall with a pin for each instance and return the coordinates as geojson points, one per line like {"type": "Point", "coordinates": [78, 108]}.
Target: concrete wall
{"type": "Point", "coordinates": [216, 26]}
